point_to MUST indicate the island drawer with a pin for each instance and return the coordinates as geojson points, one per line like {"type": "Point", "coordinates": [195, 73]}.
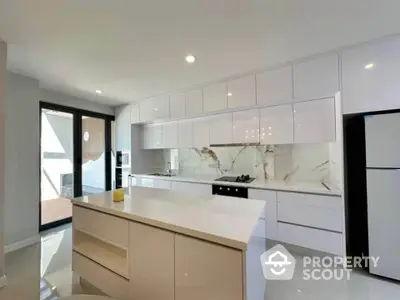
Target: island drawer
{"type": "Point", "coordinates": [105, 280]}
{"type": "Point", "coordinates": [108, 228]}
{"type": "Point", "coordinates": [321, 240]}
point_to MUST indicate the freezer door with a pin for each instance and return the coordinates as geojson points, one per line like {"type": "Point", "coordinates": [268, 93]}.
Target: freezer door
{"type": "Point", "coordinates": [383, 187]}
{"type": "Point", "coordinates": [382, 137]}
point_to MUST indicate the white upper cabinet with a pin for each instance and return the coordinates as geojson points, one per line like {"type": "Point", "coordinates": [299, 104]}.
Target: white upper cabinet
{"type": "Point", "coordinates": [276, 125]}
{"type": "Point", "coordinates": [134, 113]}
{"type": "Point", "coordinates": [215, 97]}
{"type": "Point", "coordinates": [314, 121]}
{"type": "Point", "coordinates": [170, 133]}
{"type": "Point", "coordinates": [242, 92]}
{"type": "Point", "coordinates": [316, 78]}
{"type": "Point", "coordinates": [146, 110]}
{"type": "Point", "coordinates": [221, 129]}
{"type": "Point", "coordinates": [275, 86]}
{"type": "Point", "coordinates": [370, 76]}
{"type": "Point", "coordinates": [246, 126]}
{"type": "Point", "coordinates": [158, 135]}
{"type": "Point", "coordinates": [185, 134]}
{"type": "Point", "coordinates": [194, 102]}
{"type": "Point", "coordinates": [154, 109]}
{"type": "Point", "coordinates": [201, 132]}
{"type": "Point", "coordinates": [161, 108]}
{"type": "Point", "coordinates": [149, 136]}
{"type": "Point", "coordinates": [177, 105]}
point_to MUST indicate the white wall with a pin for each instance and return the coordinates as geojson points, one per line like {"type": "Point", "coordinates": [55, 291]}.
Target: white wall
{"type": "Point", "coordinates": [22, 152]}
{"type": "Point", "coordinates": [3, 60]}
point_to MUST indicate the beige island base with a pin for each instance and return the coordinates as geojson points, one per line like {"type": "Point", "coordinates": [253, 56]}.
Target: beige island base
{"type": "Point", "coordinates": [164, 245]}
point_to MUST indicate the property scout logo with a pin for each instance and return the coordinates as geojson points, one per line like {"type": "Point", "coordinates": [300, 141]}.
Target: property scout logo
{"type": "Point", "coordinates": [278, 264]}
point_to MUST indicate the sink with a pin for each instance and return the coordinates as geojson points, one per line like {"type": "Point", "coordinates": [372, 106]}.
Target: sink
{"type": "Point", "coordinates": [162, 174]}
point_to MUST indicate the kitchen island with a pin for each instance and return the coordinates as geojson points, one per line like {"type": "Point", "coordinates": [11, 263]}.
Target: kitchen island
{"type": "Point", "coordinates": [160, 244]}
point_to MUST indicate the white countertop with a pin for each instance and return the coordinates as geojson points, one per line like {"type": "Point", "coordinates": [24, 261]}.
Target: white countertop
{"type": "Point", "coordinates": [224, 220]}
{"type": "Point", "coordinates": [277, 185]}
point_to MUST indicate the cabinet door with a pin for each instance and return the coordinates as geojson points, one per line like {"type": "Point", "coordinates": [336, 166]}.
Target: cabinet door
{"type": "Point", "coordinates": [199, 265]}
{"type": "Point", "coordinates": [146, 110]}
{"type": "Point", "coordinates": [316, 78]}
{"type": "Point", "coordinates": [370, 75]}
{"type": "Point", "coordinates": [151, 256]}
{"type": "Point", "coordinates": [201, 132]}
{"type": "Point", "coordinates": [312, 238]}
{"type": "Point", "coordinates": [271, 211]}
{"type": "Point", "coordinates": [276, 125]}
{"type": "Point", "coordinates": [148, 136]}
{"type": "Point", "coordinates": [221, 129]}
{"type": "Point", "coordinates": [192, 188]}
{"type": "Point", "coordinates": [161, 107]}
{"type": "Point", "coordinates": [246, 126]}
{"type": "Point", "coordinates": [215, 97]}
{"type": "Point", "coordinates": [194, 102]}
{"type": "Point", "coordinates": [275, 86]}
{"type": "Point", "coordinates": [242, 92]}
{"type": "Point", "coordinates": [314, 121]}
{"type": "Point", "coordinates": [170, 135]}
{"type": "Point", "coordinates": [177, 105]}
{"type": "Point", "coordinates": [158, 135]}
{"type": "Point", "coordinates": [134, 113]}
{"type": "Point", "coordinates": [162, 184]}
{"type": "Point", "coordinates": [185, 138]}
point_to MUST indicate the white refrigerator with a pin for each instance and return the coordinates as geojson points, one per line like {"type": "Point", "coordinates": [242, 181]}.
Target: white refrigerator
{"type": "Point", "coordinates": [382, 136]}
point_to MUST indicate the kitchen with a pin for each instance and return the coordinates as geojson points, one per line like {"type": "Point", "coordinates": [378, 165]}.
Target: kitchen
{"type": "Point", "coordinates": [272, 136]}
{"type": "Point", "coordinates": [278, 129]}
{"type": "Point", "coordinates": [194, 137]}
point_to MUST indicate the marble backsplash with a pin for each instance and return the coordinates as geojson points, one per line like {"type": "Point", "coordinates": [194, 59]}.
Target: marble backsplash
{"type": "Point", "coordinates": [295, 162]}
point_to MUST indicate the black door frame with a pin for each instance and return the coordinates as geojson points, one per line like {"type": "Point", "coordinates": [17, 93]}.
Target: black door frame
{"type": "Point", "coordinates": [77, 152]}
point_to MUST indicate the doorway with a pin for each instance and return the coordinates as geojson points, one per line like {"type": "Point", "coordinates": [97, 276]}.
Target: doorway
{"type": "Point", "coordinates": [75, 159]}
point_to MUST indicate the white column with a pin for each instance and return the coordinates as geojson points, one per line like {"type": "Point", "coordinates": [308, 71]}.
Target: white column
{"type": "Point", "coordinates": [3, 58]}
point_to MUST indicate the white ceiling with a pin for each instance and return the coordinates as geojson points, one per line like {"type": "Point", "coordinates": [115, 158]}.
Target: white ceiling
{"type": "Point", "coordinates": [134, 49]}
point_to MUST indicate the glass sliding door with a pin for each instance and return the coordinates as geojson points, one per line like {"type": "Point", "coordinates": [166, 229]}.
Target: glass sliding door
{"type": "Point", "coordinates": [93, 155]}
{"type": "Point", "coordinates": [57, 165]}
{"type": "Point", "coordinates": [76, 159]}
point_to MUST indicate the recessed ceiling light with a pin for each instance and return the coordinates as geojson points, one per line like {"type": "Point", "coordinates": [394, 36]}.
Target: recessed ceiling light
{"type": "Point", "coordinates": [99, 92]}
{"type": "Point", "coordinates": [190, 59]}
{"type": "Point", "coordinates": [155, 109]}
{"type": "Point", "coordinates": [369, 66]}
{"type": "Point", "coordinates": [229, 94]}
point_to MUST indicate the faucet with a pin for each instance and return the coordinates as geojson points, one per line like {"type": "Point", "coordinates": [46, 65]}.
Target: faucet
{"type": "Point", "coordinates": [169, 171]}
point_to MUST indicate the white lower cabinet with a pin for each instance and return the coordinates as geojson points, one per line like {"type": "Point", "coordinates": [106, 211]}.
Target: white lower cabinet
{"type": "Point", "coordinates": [269, 219]}
{"type": "Point", "coordinates": [322, 212]}
{"type": "Point", "coordinates": [321, 240]}
{"type": "Point", "coordinates": [151, 183]}
{"type": "Point", "coordinates": [311, 221]}
{"type": "Point", "coordinates": [192, 188]}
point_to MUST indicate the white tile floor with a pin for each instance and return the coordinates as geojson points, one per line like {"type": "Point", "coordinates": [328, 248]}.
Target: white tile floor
{"type": "Point", "coordinates": [43, 272]}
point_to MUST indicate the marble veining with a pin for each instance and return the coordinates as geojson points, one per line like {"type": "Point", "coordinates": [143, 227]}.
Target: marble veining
{"type": "Point", "coordinates": [294, 162]}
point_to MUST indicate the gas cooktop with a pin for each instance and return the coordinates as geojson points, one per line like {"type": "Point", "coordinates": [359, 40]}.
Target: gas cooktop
{"type": "Point", "coordinates": [241, 179]}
